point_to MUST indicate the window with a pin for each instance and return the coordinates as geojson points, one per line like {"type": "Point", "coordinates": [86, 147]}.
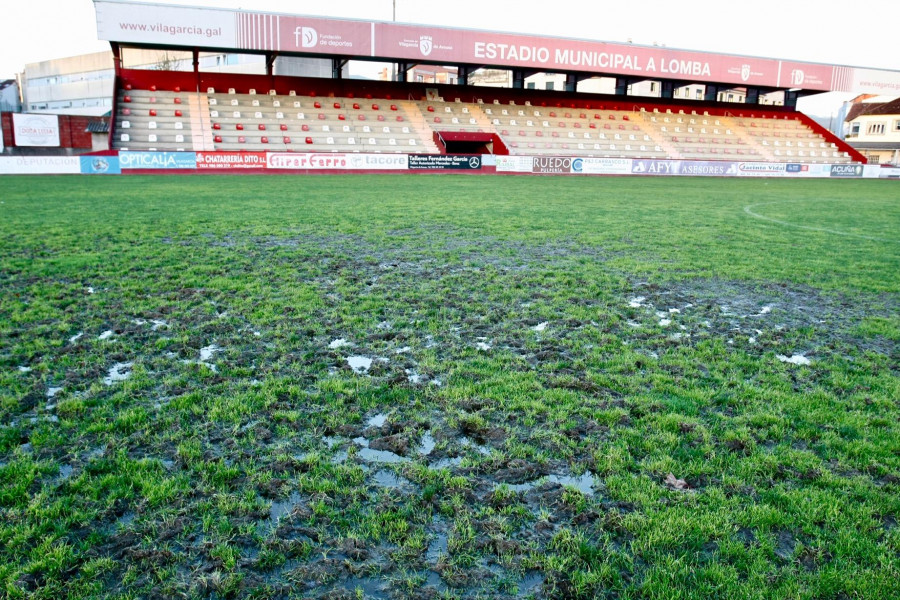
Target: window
{"type": "Point", "coordinates": [531, 86]}
{"type": "Point", "coordinates": [549, 85]}
{"type": "Point", "coordinates": [875, 129]}
{"type": "Point", "coordinates": [699, 95]}
{"type": "Point", "coordinates": [854, 128]}
{"type": "Point", "coordinates": [897, 125]}
{"type": "Point", "coordinates": [652, 86]}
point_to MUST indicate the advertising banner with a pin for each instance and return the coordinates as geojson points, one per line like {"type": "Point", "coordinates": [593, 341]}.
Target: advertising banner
{"type": "Point", "coordinates": [227, 160]}
{"type": "Point", "coordinates": [762, 169]}
{"type": "Point", "coordinates": [100, 165]}
{"type": "Point", "coordinates": [602, 166]}
{"type": "Point", "coordinates": [684, 167]}
{"type": "Point", "coordinates": [39, 165]}
{"type": "Point", "coordinates": [336, 162]}
{"type": "Point", "coordinates": [36, 130]}
{"type": "Point", "coordinates": [552, 164]}
{"type": "Point", "coordinates": [157, 160]}
{"type": "Point", "coordinates": [160, 24]}
{"type": "Point", "coordinates": [513, 164]}
{"type": "Point", "coordinates": [846, 170]}
{"type": "Point", "coordinates": [444, 161]}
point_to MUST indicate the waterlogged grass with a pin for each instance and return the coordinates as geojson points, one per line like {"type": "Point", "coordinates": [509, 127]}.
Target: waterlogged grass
{"type": "Point", "coordinates": [455, 387]}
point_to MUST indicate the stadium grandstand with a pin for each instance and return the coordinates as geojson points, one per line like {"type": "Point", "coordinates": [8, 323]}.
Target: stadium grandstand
{"type": "Point", "coordinates": [197, 111]}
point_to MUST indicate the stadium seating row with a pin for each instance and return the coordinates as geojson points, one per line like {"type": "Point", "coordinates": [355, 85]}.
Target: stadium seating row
{"type": "Point", "coordinates": [153, 119]}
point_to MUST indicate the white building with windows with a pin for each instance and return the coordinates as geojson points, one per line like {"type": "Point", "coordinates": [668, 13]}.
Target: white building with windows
{"type": "Point", "coordinates": [83, 85]}
{"type": "Point", "coordinates": [872, 126]}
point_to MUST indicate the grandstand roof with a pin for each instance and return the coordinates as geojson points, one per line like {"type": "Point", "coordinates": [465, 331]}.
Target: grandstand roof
{"type": "Point", "coordinates": [169, 26]}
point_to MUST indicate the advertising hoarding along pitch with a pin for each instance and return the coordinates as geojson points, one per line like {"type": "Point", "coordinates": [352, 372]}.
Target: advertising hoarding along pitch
{"type": "Point", "coordinates": [36, 130]}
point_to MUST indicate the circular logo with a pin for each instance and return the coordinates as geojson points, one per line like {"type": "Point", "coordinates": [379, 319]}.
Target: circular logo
{"type": "Point", "coordinates": [577, 165]}
{"type": "Point", "coordinates": [475, 162]}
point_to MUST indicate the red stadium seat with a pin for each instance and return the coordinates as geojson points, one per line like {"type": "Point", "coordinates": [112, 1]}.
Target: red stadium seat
{"type": "Point", "coordinates": [337, 104]}
{"type": "Point", "coordinates": [152, 99]}
{"type": "Point", "coordinates": [239, 126]}
{"type": "Point", "coordinates": [625, 118]}
{"type": "Point", "coordinates": [355, 106]}
{"type": "Point", "coordinates": [218, 139]}
{"type": "Point", "coordinates": [177, 100]}
{"type": "Point", "coordinates": [342, 118]}
{"type": "Point", "coordinates": [593, 126]}
{"type": "Point", "coordinates": [126, 99]}
{"type": "Point", "coordinates": [128, 87]}
{"type": "Point", "coordinates": [261, 126]}
{"type": "Point", "coordinates": [178, 113]}
{"type": "Point", "coordinates": [305, 127]}
{"type": "Point", "coordinates": [283, 127]}
{"type": "Point", "coordinates": [437, 119]}
{"type": "Point", "coordinates": [242, 139]}
{"type": "Point", "coordinates": [264, 140]}
{"type": "Point", "coordinates": [393, 107]}
{"type": "Point", "coordinates": [539, 133]}
{"type": "Point", "coordinates": [430, 109]}
{"type": "Point", "coordinates": [381, 117]}
{"type": "Point", "coordinates": [399, 118]}
{"type": "Point", "coordinates": [321, 117]}
{"type": "Point", "coordinates": [374, 107]}
{"type": "Point", "coordinates": [318, 104]}
{"type": "Point", "coordinates": [177, 89]}
{"type": "Point", "coordinates": [552, 114]}
{"type": "Point", "coordinates": [362, 117]}
{"type": "Point", "coordinates": [309, 140]}
{"type": "Point", "coordinates": [286, 140]}
{"type": "Point", "coordinates": [216, 126]}
{"type": "Point", "coordinates": [152, 113]}
{"type": "Point", "coordinates": [152, 88]}
{"type": "Point", "coordinates": [126, 111]}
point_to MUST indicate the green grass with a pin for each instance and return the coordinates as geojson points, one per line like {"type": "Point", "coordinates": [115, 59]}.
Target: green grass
{"type": "Point", "coordinates": [526, 335]}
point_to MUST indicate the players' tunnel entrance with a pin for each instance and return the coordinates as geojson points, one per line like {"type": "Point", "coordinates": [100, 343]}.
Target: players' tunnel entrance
{"type": "Point", "coordinates": [465, 142]}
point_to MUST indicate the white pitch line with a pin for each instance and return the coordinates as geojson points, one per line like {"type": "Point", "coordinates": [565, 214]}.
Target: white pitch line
{"type": "Point", "coordinates": [749, 210]}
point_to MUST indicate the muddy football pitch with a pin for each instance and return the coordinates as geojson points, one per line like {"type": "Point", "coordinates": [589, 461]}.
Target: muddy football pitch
{"type": "Point", "coordinates": [380, 387]}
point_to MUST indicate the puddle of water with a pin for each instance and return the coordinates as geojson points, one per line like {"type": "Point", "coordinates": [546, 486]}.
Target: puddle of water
{"type": "Point", "coordinates": [359, 364]}
{"type": "Point", "coordinates": [427, 445]}
{"type": "Point", "coordinates": [330, 440]}
{"type": "Point", "coordinates": [796, 359]}
{"type": "Point", "coordinates": [105, 335]}
{"type": "Point", "coordinates": [339, 457]}
{"type": "Point", "coordinates": [386, 479]}
{"type": "Point", "coordinates": [280, 509]}
{"type": "Point", "coordinates": [125, 520]}
{"type": "Point", "coordinates": [361, 441]}
{"type": "Point", "coordinates": [541, 326]}
{"type": "Point", "coordinates": [437, 547]}
{"type": "Point", "coordinates": [51, 392]}
{"type": "Point", "coordinates": [65, 472]}
{"type": "Point", "coordinates": [637, 302]}
{"type": "Point", "coordinates": [446, 463]}
{"type": "Point", "coordinates": [338, 343]}
{"type": "Point", "coordinates": [483, 346]}
{"type": "Point", "coordinates": [118, 372]}
{"type": "Point", "coordinates": [373, 589]}
{"type": "Point", "coordinates": [470, 444]}
{"type": "Point", "coordinates": [381, 456]}
{"type": "Point", "coordinates": [207, 352]}
{"type": "Point", "coordinates": [413, 377]}
{"type": "Point", "coordinates": [584, 483]}
{"type": "Point", "coordinates": [529, 582]}
{"type": "Point", "coordinates": [377, 421]}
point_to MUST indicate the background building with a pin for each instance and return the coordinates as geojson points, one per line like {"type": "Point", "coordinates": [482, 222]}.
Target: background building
{"type": "Point", "coordinates": [873, 127]}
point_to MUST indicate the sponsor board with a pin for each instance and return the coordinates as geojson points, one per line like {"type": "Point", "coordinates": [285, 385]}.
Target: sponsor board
{"type": "Point", "coordinates": [39, 165]}
{"type": "Point", "coordinates": [655, 167]}
{"type": "Point", "coordinates": [444, 161]}
{"type": "Point", "coordinates": [762, 169]}
{"type": "Point", "coordinates": [889, 172]}
{"type": "Point", "coordinates": [337, 162]}
{"type": "Point", "coordinates": [36, 130]}
{"type": "Point", "coordinates": [231, 160]}
{"type": "Point", "coordinates": [513, 164]}
{"type": "Point", "coordinates": [684, 167]}
{"type": "Point", "coordinates": [846, 170]}
{"type": "Point", "coordinates": [552, 164]}
{"type": "Point", "coordinates": [100, 165]}
{"type": "Point", "coordinates": [157, 160]}
{"type": "Point", "coordinates": [602, 166]}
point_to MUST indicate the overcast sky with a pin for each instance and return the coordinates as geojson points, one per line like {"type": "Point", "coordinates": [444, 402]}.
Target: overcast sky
{"type": "Point", "coordinates": [828, 32]}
